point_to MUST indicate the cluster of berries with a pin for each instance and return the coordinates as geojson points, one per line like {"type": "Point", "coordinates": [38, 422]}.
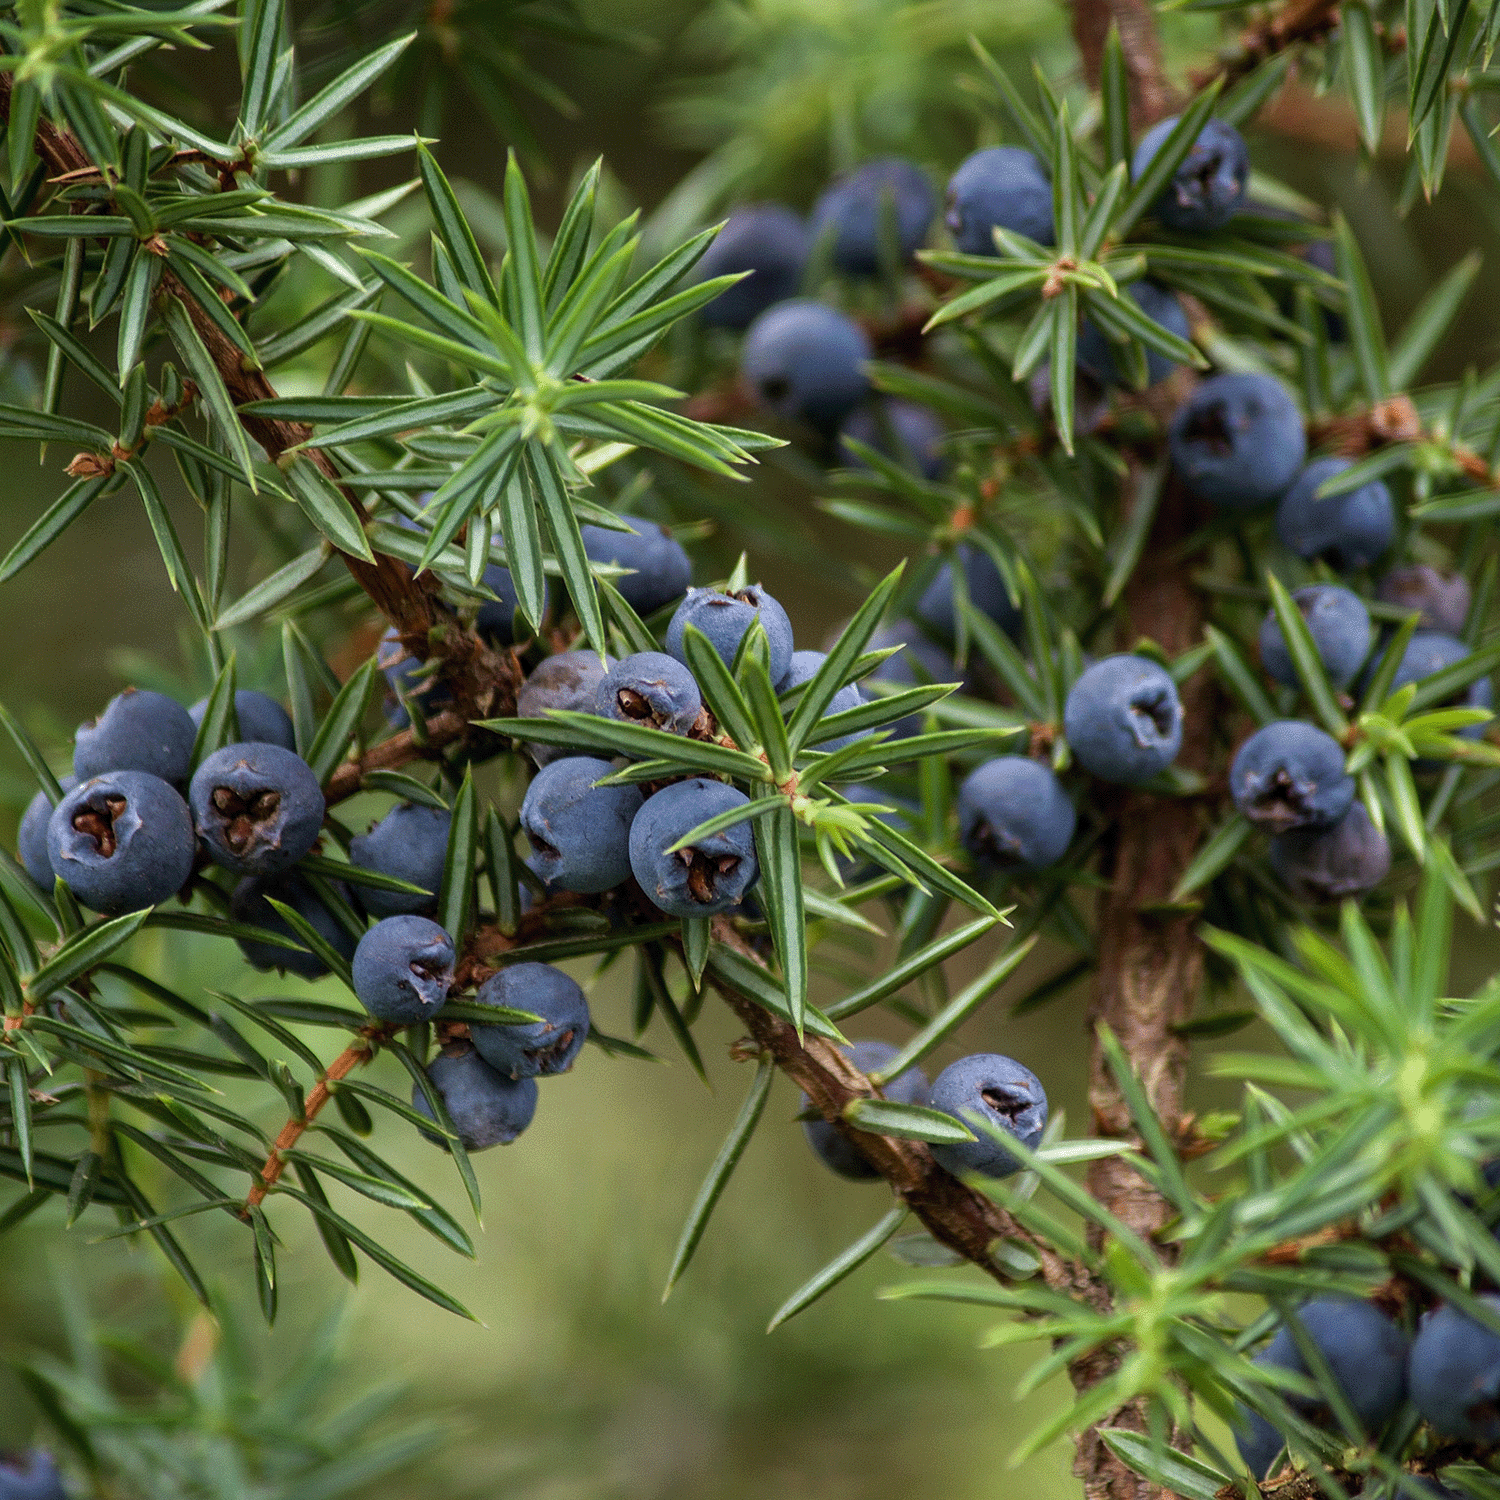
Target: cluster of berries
{"type": "Point", "coordinates": [1450, 1371]}
{"type": "Point", "coordinates": [1237, 443]}
{"type": "Point", "coordinates": [804, 360]}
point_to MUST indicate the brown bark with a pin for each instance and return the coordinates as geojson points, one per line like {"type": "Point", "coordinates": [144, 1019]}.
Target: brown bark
{"type": "Point", "coordinates": [1150, 961]}
{"type": "Point", "coordinates": [1151, 96]}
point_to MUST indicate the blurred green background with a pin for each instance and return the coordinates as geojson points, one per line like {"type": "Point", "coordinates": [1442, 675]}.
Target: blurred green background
{"type": "Point", "coordinates": [579, 1382]}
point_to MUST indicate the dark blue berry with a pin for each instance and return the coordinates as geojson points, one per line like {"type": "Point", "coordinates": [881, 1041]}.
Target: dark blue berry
{"type": "Point", "coordinates": [1453, 1374]}
{"type": "Point", "coordinates": [1442, 603]}
{"type": "Point", "coordinates": [769, 240]}
{"type": "Point", "coordinates": [1366, 1353]}
{"type": "Point", "coordinates": [409, 843]}
{"type": "Point", "coordinates": [248, 905]}
{"type": "Point", "coordinates": [1002, 185]}
{"type": "Point", "coordinates": [579, 832]}
{"type": "Point", "coordinates": [1123, 719]}
{"type": "Point", "coordinates": [570, 680]}
{"type": "Point", "coordinates": [31, 838]}
{"type": "Point", "coordinates": [938, 611]}
{"type": "Point", "coordinates": [409, 678]}
{"type": "Point", "coordinates": [1209, 186]}
{"type": "Point", "coordinates": [403, 969]}
{"type": "Point", "coordinates": [1096, 354]}
{"type": "Point", "coordinates": [1339, 625]}
{"type": "Point", "coordinates": [833, 1148]}
{"type": "Point", "coordinates": [532, 1048]}
{"type": "Point", "coordinates": [724, 619]}
{"type": "Point", "coordinates": [122, 841]}
{"type": "Point", "coordinates": [918, 663]}
{"type": "Point", "coordinates": [486, 1108]}
{"type": "Point", "coordinates": [138, 731]}
{"type": "Point", "coordinates": [500, 620]}
{"type": "Point", "coordinates": [1290, 774]}
{"type": "Point", "coordinates": [262, 719]}
{"type": "Point", "coordinates": [804, 668]}
{"type": "Point", "coordinates": [650, 688]}
{"type": "Point", "coordinates": [258, 808]}
{"type": "Point", "coordinates": [708, 876]}
{"type": "Point", "coordinates": [661, 568]}
{"type": "Point", "coordinates": [32, 1475]}
{"type": "Point", "coordinates": [852, 211]}
{"type": "Point", "coordinates": [1331, 864]}
{"type": "Point", "coordinates": [1013, 812]}
{"type": "Point", "coordinates": [805, 362]}
{"type": "Point", "coordinates": [1238, 440]}
{"type": "Point", "coordinates": [902, 431]}
{"type": "Point", "coordinates": [1348, 531]}
{"type": "Point", "coordinates": [1431, 651]}
{"type": "Point", "coordinates": [989, 1090]}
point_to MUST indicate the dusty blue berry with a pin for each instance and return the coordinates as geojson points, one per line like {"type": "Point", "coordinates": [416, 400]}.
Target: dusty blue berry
{"type": "Point", "coordinates": [804, 668]}
{"type": "Point", "coordinates": [1331, 864]}
{"type": "Point", "coordinates": [1238, 441]}
{"type": "Point", "coordinates": [1099, 357]}
{"type": "Point", "coordinates": [724, 619]}
{"type": "Point", "coordinates": [569, 681]}
{"type": "Point", "coordinates": [403, 969]}
{"type": "Point", "coordinates": [989, 1090]}
{"type": "Point", "coordinates": [661, 568]}
{"type": "Point", "coordinates": [486, 1108]}
{"type": "Point", "coordinates": [1004, 186]}
{"type": "Point", "coordinates": [919, 662]}
{"type": "Point", "coordinates": [902, 431]}
{"type": "Point", "coordinates": [579, 832]}
{"type": "Point", "coordinates": [500, 619]}
{"type": "Point", "coordinates": [1013, 812]}
{"type": "Point", "coordinates": [1442, 603]}
{"type": "Point", "coordinates": [258, 808]}
{"type": "Point", "coordinates": [1453, 1374]}
{"type": "Point", "coordinates": [31, 837]}
{"type": "Point", "coordinates": [138, 731]}
{"type": "Point", "coordinates": [122, 841]}
{"type": "Point", "coordinates": [1431, 651]}
{"type": "Point", "coordinates": [709, 875]}
{"type": "Point", "coordinates": [938, 610]}
{"type": "Point", "coordinates": [409, 678]}
{"type": "Point", "coordinates": [1339, 625]}
{"type": "Point", "coordinates": [261, 719]}
{"type": "Point", "coordinates": [1209, 187]}
{"type": "Point", "coordinates": [853, 210]}
{"type": "Point", "coordinates": [409, 843]}
{"type": "Point", "coordinates": [32, 1475]}
{"type": "Point", "coordinates": [249, 906]}
{"type": "Point", "coordinates": [1123, 719]}
{"type": "Point", "coordinates": [1366, 1353]}
{"type": "Point", "coordinates": [1348, 531]}
{"type": "Point", "coordinates": [1290, 774]}
{"type": "Point", "coordinates": [805, 362]}
{"type": "Point", "coordinates": [650, 688]}
{"type": "Point", "coordinates": [529, 1049]}
{"type": "Point", "coordinates": [833, 1148]}
{"type": "Point", "coordinates": [769, 240]}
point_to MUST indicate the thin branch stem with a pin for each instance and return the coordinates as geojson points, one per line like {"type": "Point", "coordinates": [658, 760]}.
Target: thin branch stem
{"type": "Point", "coordinates": [352, 1057]}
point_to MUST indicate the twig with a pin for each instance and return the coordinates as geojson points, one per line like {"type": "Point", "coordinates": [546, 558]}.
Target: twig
{"type": "Point", "coordinates": [1151, 96]}
{"type": "Point", "coordinates": [1291, 23]}
{"type": "Point", "coordinates": [353, 1056]}
{"type": "Point", "coordinates": [410, 603]}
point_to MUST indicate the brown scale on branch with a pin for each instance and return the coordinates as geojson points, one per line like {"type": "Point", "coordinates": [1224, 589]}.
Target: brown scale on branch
{"type": "Point", "coordinates": [1290, 24]}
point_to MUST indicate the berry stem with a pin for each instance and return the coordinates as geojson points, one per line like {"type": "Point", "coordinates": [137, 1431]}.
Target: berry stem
{"type": "Point", "coordinates": [353, 1056]}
